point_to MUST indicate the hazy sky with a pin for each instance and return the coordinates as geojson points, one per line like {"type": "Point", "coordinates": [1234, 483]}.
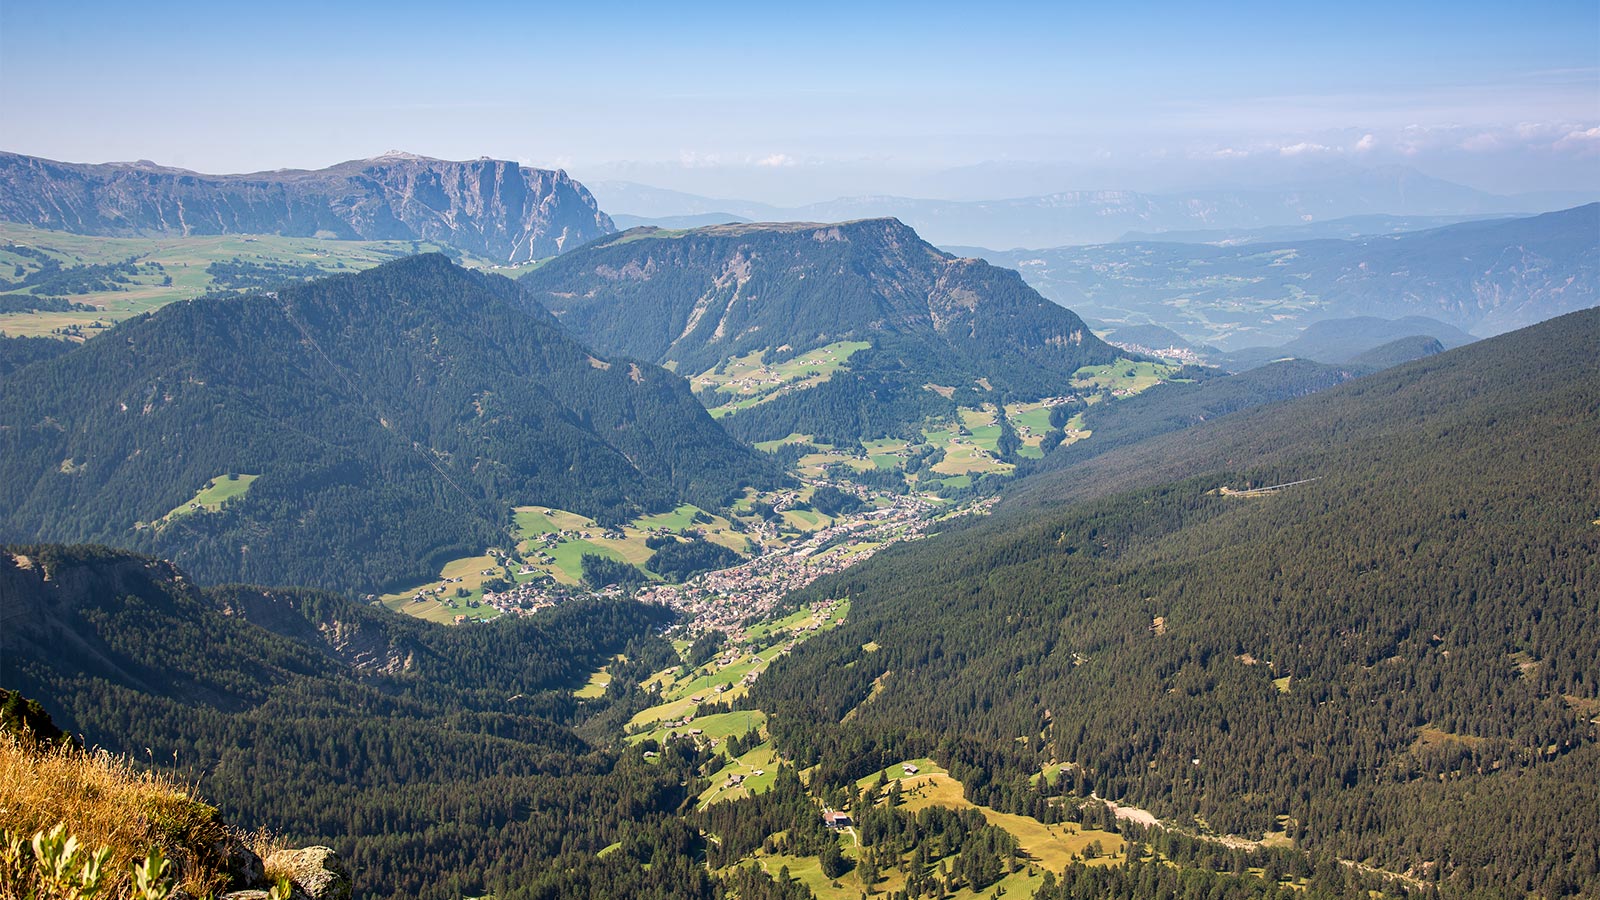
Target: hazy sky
{"type": "Point", "coordinates": [793, 102]}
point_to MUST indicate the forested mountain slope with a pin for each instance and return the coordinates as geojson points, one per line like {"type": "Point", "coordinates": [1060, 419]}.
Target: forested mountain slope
{"type": "Point", "coordinates": [437, 760]}
{"type": "Point", "coordinates": [1391, 658]}
{"type": "Point", "coordinates": [698, 298]}
{"type": "Point", "coordinates": [1202, 394]}
{"type": "Point", "coordinates": [493, 208]}
{"type": "Point", "coordinates": [392, 419]}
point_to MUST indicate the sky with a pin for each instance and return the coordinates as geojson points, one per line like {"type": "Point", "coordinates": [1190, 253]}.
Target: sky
{"type": "Point", "coordinates": [790, 103]}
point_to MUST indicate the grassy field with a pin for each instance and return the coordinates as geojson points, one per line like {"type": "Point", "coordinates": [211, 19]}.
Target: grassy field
{"type": "Point", "coordinates": [184, 261]}
{"type": "Point", "coordinates": [579, 535]}
{"type": "Point", "coordinates": [210, 498]}
{"type": "Point", "coordinates": [1051, 774]}
{"type": "Point", "coordinates": [886, 453]}
{"type": "Point", "coordinates": [897, 772]}
{"type": "Point", "coordinates": [560, 559]}
{"type": "Point", "coordinates": [679, 697]}
{"type": "Point", "coordinates": [1044, 847]}
{"type": "Point", "coordinates": [441, 601]}
{"type": "Point", "coordinates": [595, 687]}
{"type": "Point", "coordinates": [679, 693]}
{"type": "Point", "coordinates": [717, 727]}
{"type": "Point", "coordinates": [770, 446]}
{"type": "Point", "coordinates": [1123, 377]}
{"type": "Point", "coordinates": [748, 380]}
{"type": "Point", "coordinates": [757, 769]}
{"type": "Point", "coordinates": [1051, 846]}
{"type": "Point", "coordinates": [1032, 422]}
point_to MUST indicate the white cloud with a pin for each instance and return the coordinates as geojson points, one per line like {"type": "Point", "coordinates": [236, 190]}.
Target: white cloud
{"type": "Point", "coordinates": [1367, 142]}
{"type": "Point", "coordinates": [1583, 142]}
{"type": "Point", "coordinates": [1302, 148]}
{"type": "Point", "coordinates": [690, 159]}
{"type": "Point", "coordinates": [776, 161]}
{"type": "Point", "coordinates": [1480, 142]}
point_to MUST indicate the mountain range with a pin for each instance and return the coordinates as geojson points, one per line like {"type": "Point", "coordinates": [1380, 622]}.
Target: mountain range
{"type": "Point", "coordinates": [1336, 341]}
{"type": "Point", "coordinates": [1098, 216]}
{"type": "Point", "coordinates": [695, 299]}
{"type": "Point", "coordinates": [492, 208]}
{"type": "Point", "coordinates": [1318, 714]}
{"type": "Point", "coordinates": [1360, 621]}
{"type": "Point", "coordinates": [387, 421]}
{"type": "Point", "coordinates": [1482, 277]}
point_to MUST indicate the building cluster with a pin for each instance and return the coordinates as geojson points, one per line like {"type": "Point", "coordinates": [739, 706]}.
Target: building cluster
{"type": "Point", "coordinates": [726, 599]}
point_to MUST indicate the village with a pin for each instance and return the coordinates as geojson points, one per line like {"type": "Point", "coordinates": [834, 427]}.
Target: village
{"type": "Point", "coordinates": [725, 599]}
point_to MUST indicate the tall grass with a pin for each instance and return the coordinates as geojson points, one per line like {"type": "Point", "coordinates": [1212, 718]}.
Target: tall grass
{"type": "Point", "coordinates": [107, 801]}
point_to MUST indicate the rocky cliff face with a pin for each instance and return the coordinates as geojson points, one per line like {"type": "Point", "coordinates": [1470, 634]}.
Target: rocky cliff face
{"type": "Point", "coordinates": [492, 208]}
{"type": "Point", "coordinates": [700, 296]}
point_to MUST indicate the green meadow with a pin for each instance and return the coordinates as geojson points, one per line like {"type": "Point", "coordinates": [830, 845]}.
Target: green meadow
{"type": "Point", "coordinates": [210, 498]}
{"type": "Point", "coordinates": [749, 380]}
{"type": "Point", "coordinates": [183, 262]}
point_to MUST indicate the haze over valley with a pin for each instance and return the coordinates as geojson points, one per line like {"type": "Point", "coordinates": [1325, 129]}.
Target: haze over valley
{"type": "Point", "coordinates": [742, 453]}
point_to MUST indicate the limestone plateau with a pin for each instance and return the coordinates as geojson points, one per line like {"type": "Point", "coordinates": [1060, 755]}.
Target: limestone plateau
{"type": "Point", "coordinates": [494, 208]}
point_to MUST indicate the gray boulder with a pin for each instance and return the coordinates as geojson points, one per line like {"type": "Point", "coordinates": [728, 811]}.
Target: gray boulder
{"type": "Point", "coordinates": [315, 873]}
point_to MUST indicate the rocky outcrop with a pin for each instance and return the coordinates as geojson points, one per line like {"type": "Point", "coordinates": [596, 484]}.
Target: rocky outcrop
{"type": "Point", "coordinates": [314, 873]}
{"type": "Point", "coordinates": [493, 208]}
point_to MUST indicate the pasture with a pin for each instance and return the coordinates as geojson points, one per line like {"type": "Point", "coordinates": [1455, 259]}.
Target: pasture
{"type": "Point", "coordinates": [183, 263]}
{"type": "Point", "coordinates": [750, 380]}
{"type": "Point", "coordinates": [210, 498]}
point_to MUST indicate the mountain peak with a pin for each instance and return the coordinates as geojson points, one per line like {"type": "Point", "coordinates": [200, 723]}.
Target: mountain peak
{"type": "Point", "coordinates": [699, 297]}
{"type": "Point", "coordinates": [402, 154]}
{"type": "Point", "coordinates": [428, 397]}
{"type": "Point", "coordinates": [499, 210]}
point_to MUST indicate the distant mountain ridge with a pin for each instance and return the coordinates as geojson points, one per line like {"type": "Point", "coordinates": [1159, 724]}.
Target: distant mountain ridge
{"type": "Point", "coordinates": [1072, 217]}
{"type": "Point", "coordinates": [1335, 341]}
{"type": "Point", "coordinates": [492, 208]}
{"type": "Point", "coordinates": [1483, 277]}
{"type": "Point", "coordinates": [1343, 229]}
{"type": "Point", "coordinates": [693, 299]}
{"type": "Point", "coordinates": [393, 417]}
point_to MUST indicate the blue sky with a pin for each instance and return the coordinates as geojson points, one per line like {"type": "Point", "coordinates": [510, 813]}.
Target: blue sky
{"type": "Point", "coordinates": [794, 102]}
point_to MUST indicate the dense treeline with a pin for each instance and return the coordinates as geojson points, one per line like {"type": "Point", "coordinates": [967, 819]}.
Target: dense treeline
{"type": "Point", "coordinates": [437, 760]}
{"type": "Point", "coordinates": [1196, 395]}
{"type": "Point", "coordinates": [15, 303]}
{"type": "Point", "coordinates": [51, 279]}
{"type": "Point", "coordinates": [603, 571]}
{"type": "Point", "coordinates": [16, 352]}
{"type": "Point", "coordinates": [870, 399]}
{"type": "Point", "coordinates": [1391, 663]}
{"type": "Point", "coordinates": [243, 274]}
{"type": "Point", "coordinates": [681, 560]}
{"type": "Point", "coordinates": [394, 417]}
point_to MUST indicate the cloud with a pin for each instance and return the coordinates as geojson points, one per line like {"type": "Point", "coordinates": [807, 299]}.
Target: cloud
{"type": "Point", "coordinates": [776, 161]}
{"type": "Point", "coordinates": [1302, 148]}
{"type": "Point", "coordinates": [1367, 142]}
{"type": "Point", "coordinates": [1482, 141]}
{"type": "Point", "coordinates": [690, 159]}
{"type": "Point", "coordinates": [1583, 142]}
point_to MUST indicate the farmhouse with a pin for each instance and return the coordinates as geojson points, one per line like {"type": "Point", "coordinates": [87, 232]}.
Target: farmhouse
{"type": "Point", "coordinates": [836, 819]}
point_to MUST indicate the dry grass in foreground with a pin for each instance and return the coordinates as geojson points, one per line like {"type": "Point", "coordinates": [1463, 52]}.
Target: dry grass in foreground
{"type": "Point", "coordinates": [108, 801]}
